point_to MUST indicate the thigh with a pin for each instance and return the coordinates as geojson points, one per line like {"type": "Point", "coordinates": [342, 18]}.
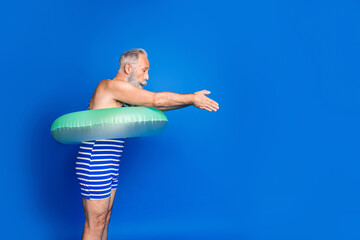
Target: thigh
{"type": "Point", "coordinates": [112, 196]}
{"type": "Point", "coordinates": [95, 208]}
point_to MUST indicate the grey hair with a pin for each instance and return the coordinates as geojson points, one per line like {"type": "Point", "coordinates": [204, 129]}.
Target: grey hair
{"type": "Point", "coordinates": [131, 57]}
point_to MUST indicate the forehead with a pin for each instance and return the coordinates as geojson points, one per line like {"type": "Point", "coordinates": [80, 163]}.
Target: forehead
{"type": "Point", "coordinates": [143, 61]}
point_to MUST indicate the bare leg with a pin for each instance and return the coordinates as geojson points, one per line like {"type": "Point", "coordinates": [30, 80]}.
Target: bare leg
{"type": "Point", "coordinates": [105, 233]}
{"type": "Point", "coordinates": [95, 218]}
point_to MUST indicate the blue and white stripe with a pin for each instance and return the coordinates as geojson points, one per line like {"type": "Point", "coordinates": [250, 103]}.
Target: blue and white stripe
{"type": "Point", "coordinates": [97, 167]}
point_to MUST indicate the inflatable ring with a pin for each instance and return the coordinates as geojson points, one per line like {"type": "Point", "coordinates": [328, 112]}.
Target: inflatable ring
{"type": "Point", "coordinates": [108, 123]}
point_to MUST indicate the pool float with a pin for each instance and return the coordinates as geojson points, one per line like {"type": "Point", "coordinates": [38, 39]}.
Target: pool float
{"type": "Point", "coordinates": [108, 123]}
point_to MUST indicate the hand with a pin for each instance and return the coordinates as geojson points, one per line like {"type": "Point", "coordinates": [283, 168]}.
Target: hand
{"type": "Point", "coordinates": [203, 102]}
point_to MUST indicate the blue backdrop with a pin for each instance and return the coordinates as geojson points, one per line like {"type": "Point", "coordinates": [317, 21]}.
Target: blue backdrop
{"type": "Point", "coordinates": [279, 160]}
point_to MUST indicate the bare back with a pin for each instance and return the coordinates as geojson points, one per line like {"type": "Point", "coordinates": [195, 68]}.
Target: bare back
{"type": "Point", "coordinates": [103, 99]}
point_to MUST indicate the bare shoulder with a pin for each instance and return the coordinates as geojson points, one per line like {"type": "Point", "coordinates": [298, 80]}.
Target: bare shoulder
{"type": "Point", "coordinates": [111, 84]}
{"type": "Point", "coordinates": [110, 88]}
{"type": "Point", "coordinates": [104, 83]}
{"type": "Point", "coordinates": [122, 91]}
{"type": "Point", "coordinates": [102, 97]}
{"type": "Point", "coordinates": [108, 85]}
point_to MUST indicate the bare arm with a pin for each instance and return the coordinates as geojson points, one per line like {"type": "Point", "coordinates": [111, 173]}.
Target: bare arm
{"type": "Point", "coordinates": [171, 101]}
{"type": "Point", "coordinates": [125, 92]}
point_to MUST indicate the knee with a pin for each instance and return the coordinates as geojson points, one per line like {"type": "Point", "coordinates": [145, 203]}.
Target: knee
{"type": "Point", "coordinates": [97, 223]}
{"type": "Point", "coordinates": [108, 216]}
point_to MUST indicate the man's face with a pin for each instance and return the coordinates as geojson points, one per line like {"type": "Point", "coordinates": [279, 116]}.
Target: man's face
{"type": "Point", "coordinates": [140, 73]}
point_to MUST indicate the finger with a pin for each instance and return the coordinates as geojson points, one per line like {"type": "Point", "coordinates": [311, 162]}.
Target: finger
{"type": "Point", "coordinates": [213, 103]}
{"type": "Point", "coordinates": [205, 92]}
{"type": "Point", "coordinates": [213, 108]}
{"type": "Point", "coordinates": [206, 108]}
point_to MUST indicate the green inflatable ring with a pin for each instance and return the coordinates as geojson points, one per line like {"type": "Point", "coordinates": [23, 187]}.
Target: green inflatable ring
{"type": "Point", "coordinates": [109, 123]}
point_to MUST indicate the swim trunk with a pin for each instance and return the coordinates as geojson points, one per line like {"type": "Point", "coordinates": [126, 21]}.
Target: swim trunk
{"type": "Point", "coordinates": [97, 167]}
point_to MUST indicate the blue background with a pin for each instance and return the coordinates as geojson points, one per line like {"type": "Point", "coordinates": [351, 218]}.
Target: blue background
{"type": "Point", "coordinates": [279, 160]}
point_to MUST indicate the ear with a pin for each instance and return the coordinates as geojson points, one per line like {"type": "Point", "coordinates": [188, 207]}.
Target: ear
{"type": "Point", "coordinates": [127, 68]}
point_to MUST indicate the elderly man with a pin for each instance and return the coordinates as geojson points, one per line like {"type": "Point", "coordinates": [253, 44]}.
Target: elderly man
{"type": "Point", "coordinates": [97, 163]}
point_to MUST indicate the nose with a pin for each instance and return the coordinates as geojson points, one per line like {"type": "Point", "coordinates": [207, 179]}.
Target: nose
{"type": "Point", "coordinates": [146, 77]}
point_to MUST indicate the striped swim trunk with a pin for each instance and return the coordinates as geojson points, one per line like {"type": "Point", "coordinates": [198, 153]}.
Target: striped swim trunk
{"type": "Point", "coordinates": [97, 167]}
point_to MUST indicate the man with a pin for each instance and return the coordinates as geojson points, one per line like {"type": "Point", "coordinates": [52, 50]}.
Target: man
{"type": "Point", "coordinates": [98, 184]}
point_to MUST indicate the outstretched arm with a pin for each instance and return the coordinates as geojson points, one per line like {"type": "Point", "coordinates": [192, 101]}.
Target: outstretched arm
{"type": "Point", "coordinates": [173, 101]}
{"type": "Point", "coordinates": [125, 92]}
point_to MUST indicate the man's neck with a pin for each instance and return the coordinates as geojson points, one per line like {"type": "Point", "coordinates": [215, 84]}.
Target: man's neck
{"type": "Point", "coordinates": [120, 77]}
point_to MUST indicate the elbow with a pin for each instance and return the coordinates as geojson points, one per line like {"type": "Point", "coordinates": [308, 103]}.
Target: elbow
{"type": "Point", "coordinates": [156, 102]}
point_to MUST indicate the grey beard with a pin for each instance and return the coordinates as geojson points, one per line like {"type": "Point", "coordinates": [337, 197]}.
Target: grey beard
{"type": "Point", "coordinates": [133, 80]}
